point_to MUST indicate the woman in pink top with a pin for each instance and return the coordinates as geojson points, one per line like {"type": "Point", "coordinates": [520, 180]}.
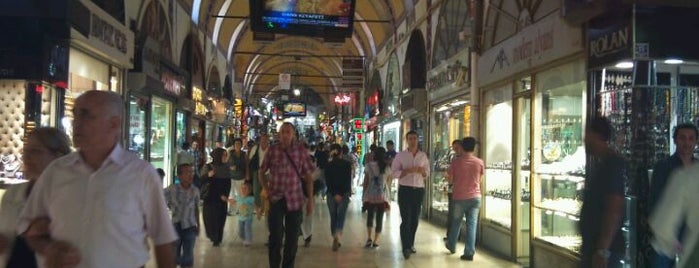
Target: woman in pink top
{"type": "Point", "coordinates": [465, 174]}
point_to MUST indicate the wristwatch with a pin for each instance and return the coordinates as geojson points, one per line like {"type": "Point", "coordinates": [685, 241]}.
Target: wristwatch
{"type": "Point", "coordinates": [604, 253]}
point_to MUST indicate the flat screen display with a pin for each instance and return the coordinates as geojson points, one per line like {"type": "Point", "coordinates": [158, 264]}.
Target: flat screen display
{"type": "Point", "coordinates": [294, 108]}
{"type": "Point", "coordinates": [318, 18]}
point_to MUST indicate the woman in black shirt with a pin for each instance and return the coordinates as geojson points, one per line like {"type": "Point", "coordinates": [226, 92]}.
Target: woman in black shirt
{"type": "Point", "coordinates": [338, 175]}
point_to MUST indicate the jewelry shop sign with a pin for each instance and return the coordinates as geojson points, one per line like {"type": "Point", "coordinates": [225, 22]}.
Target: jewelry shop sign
{"type": "Point", "coordinates": [536, 45]}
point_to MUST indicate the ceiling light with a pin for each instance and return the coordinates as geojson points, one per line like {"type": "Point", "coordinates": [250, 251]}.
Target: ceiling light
{"type": "Point", "coordinates": [674, 61]}
{"type": "Point", "coordinates": [458, 102]}
{"type": "Point", "coordinates": [297, 92]}
{"type": "Point", "coordinates": [624, 65]}
{"type": "Point", "coordinates": [443, 108]}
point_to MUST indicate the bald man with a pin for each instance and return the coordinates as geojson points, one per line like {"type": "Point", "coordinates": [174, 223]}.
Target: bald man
{"type": "Point", "coordinates": [102, 201]}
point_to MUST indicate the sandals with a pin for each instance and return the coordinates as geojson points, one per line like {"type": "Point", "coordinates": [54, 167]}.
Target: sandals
{"type": "Point", "coordinates": [368, 243]}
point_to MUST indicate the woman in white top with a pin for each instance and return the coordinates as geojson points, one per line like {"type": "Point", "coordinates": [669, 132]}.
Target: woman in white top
{"type": "Point", "coordinates": [43, 146]}
{"type": "Point", "coordinates": [377, 174]}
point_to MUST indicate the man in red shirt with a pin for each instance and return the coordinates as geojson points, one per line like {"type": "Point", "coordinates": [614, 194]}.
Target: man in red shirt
{"type": "Point", "coordinates": [465, 173]}
{"type": "Point", "coordinates": [290, 168]}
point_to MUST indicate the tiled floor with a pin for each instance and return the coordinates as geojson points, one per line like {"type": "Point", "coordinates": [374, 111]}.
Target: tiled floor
{"type": "Point", "coordinates": [429, 246]}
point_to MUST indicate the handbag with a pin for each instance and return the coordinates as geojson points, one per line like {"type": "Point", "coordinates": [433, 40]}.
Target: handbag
{"type": "Point", "coordinates": [303, 189]}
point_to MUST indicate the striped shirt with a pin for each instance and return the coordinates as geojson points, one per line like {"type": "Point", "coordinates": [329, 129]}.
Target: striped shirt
{"type": "Point", "coordinates": [183, 204]}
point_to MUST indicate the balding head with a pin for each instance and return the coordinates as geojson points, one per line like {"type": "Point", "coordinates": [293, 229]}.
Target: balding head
{"type": "Point", "coordinates": [97, 120]}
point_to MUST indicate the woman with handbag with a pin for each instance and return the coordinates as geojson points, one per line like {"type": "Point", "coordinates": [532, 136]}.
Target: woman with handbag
{"type": "Point", "coordinates": [377, 174]}
{"type": "Point", "coordinates": [216, 185]}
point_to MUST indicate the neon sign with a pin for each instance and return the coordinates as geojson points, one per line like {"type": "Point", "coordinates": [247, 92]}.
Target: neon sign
{"type": "Point", "coordinates": [342, 99]}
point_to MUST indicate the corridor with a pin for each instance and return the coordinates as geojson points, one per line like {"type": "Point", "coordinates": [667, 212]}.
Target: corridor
{"type": "Point", "coordinates": [429, 246]}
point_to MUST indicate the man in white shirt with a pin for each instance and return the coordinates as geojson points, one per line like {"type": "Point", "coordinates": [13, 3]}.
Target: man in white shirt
{"type": "Point", "coordinates": [411, 168]}
{"type": "Point", "coordinates": [677, 207]}
{"type": "Point", "coordinates": [103, 202]}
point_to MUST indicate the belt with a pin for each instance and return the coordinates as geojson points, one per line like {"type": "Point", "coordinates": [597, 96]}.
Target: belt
{"type": "Point", "coordinates": [411, 187]}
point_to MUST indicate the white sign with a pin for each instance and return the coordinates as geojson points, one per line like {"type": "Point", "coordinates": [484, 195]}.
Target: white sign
{"type": "Point", "coordinates": [540, 43]}
{"type": "Point", "coordinates": [285, 81]}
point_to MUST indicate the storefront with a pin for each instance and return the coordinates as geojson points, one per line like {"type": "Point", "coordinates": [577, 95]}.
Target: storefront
{"type": "Point", "coordinates": [158, 110]}
{"type": "Point", "coordinates": [643, 75]}
{"type": "Point", "coordinates": [533, 96]}
{"type": "Point", "coordinates": [450, 118]}
{"type": "Point", "coordinates": [43, 72]}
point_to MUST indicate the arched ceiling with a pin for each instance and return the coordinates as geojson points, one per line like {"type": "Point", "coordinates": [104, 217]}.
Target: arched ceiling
{"type": "Point", "coordinates": [311, 62]}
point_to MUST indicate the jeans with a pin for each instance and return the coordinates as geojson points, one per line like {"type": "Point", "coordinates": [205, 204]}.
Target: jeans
{"type": "Point", "coordinates": [450, 211]}
{"type": "Point", "coordinates": [280, 223]}
{"type": "Point", "coordinates": [337, 211]}
{"type": "Point", "coordinates": [409, 204]}
{"type": "Point", "coordinates": [245, 230]}
{"type": "Point", "coordinates": [378, 210]}
{"type": "Point", "coordinates": [184, 247]}
{"type": "Point", "coordinates": [468, 208]}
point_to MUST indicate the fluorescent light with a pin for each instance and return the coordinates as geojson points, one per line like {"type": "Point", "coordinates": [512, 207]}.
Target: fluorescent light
{"type": "Point", "coordinates": [674, 61]}
{"type": "Point", "coordinates": [443, 108]}
{"type": "Point", "coordinates": [624, 65]}
{"type": "Point", "coordinates": [458, 102]}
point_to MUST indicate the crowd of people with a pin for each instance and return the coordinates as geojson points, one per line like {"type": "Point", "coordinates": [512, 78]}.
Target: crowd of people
{"type": "Point", "coordinates": [94, 207]}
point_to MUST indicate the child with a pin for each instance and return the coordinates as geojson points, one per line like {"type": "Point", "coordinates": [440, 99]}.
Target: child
{"type": "Point", "coordinates": [183, 200]}
{"type": "Point", "coordinates": [246, 203]}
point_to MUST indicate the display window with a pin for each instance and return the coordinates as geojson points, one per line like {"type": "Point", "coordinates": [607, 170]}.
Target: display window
{"type": "Point", "coordinates": [391, 132]}
{"type": "Point", "coordinates": [180, 129]}
{"type": "Point", "coordinates": [451, 121]}
{"type": "Point", "coordinates": [559, 155]}
{"type": "Point", "coordinates": [498, 156]}
{"type": "Point", "coordinates": [137, 125]}
{"type": "Point", "coordinates": [161, 142]}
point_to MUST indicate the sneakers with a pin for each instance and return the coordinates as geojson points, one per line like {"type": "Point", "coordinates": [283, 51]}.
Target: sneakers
{"type": "Point", "coordinates": [451, 250]}
{"type": "Point", "coordinates": [467, 257]}
{"type": "Point", "coordinates": [307, 241]}
{"type": "Point", "coordinates": [336, 244]}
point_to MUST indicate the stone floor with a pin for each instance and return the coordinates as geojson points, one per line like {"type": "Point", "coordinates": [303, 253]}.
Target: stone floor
{"type": "Point", "coordinates": [429, 246]}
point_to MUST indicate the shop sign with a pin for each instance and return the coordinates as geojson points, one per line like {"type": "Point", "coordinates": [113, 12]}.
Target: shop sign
{"type": "Point", "coordinates": [358, 125]}
{"type": "Point", "coordinates": [106, 35]}
{"type": "Point", "coordinates": [359, 138]}
{"type": "Point", "coordinates": [198, 98]}
{"type": "Point", "coordinates": [285, 81]}
{"type": "Point", "coordinates": [540, 43]}
{"type": "Point", "coordinates": [609, 44]}
{"type": "Point", "coordinates": [453, 74]}
{"type": "Point", "coordinates": [172, 82]}
{"type": "Point", "coordinates": [238, 108]}
{"type": "Point", "coordinates": [342, 99]}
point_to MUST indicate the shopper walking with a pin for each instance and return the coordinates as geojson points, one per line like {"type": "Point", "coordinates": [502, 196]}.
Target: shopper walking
{"type": "Point", "coordinates": [339, 181]}
{"type": "Point", "coordinates": [685, 139]}
{"type": "Point", "coordinates": [256, 156]}
{"type": "Point", "coordinates": [238, 162]}
{"type": "Point", "coordinates": [377, 175]}
{"type": "Point", "coordinates": [290, 170]}
{"type": "Point", "coordinates": [411, 168]}
{"type": "Point", "coordinates": [183, 201]}
{"type": "Point", "coordinates": [245, 204]}
{"type": "Point", "coordinates": [43, 146]}
{"type": "Point", "coordinates": [103, 202]}
{"type": "Point", "coordinates": [215, 189]}
{"type": "Point", "coordinates": [465, 173]}
{"type": "Point", "coordinates": [603, 200]}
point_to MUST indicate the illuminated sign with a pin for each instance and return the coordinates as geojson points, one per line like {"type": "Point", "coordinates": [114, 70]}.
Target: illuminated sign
{"type": "Point", "coordinates": [197, 97]}
{"type": "Point", "coordinates": [360, 143]}
{"type": "Point", "coordinates": [358, 125]}
{"type": "Point", "coordinates": [342, 99]}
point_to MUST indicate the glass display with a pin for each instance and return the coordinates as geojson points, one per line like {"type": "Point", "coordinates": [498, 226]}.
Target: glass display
{"type": "Point", "coordinates": [559, 155]}
{"type": "Point", "coordinates": [161, 142]}
{"type": "Point", "coordinates": [449, 125]}
{"type": "Point", "coordinates": [137, 126]}
{"type": "Point", "coordinates": [498, 156]}
{"type": "Point", "coordinates": [180, 129]}
{"type": "Point", "coordinates": [523, 170]}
